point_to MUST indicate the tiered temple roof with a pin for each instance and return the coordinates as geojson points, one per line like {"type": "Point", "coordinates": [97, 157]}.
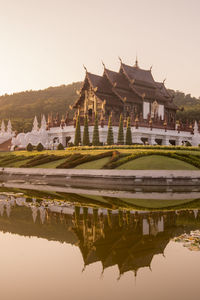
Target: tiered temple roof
{"type": "Point", "coordinates": [130, 84]}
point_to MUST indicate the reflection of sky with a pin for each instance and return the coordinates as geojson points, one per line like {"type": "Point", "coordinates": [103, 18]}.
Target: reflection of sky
{"type": "Point", "coordinates": [34, 268]}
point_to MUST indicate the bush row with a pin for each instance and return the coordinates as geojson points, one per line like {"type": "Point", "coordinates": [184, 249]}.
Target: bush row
{"type": "Point", "coordinates": [42, 160]}
{"type": "Point", "coordinates": [136, 146]}
{"type": "Point", "coordinates": [11, 159]}
{"type": "Point", "coordinates": [69, 159]}
{"type": "Point", "coordinates": [115, 157]}
{"type": "Point", "coordinates": [191, 159]}
{"type": "Point", "coordinates": [83, 159]}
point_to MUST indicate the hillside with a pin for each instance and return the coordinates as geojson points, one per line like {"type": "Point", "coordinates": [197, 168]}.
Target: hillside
{"type": "Point", "coordinates": [190, 105]}
{"type": "Point", "coordinates": [22, 107]}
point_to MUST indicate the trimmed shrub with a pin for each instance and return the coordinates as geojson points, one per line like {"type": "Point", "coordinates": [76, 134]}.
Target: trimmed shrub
{"type": "Point", "coordinates": [70, 144]}
{"type": "Point", "coordinates": [29, 147]}
{"type": "Point", "coordinates": [60, 147]}
{"type": "Point", "coordinates": [120, 138]}
{"type": "Point", "coordinates": [40, 147]}
{"type": "Point", "coordinates": [187, 144]}
{"type": "Point", "coordinates": [86, 140]}
{"type": "Point", "coordinates": [77, 139]}
{"type": "Point", "coordinates": [110, 139]}
{"type": "Point", "coordinates": [95, 138]}
{"type": "Point", "coordinates": [128, 132]}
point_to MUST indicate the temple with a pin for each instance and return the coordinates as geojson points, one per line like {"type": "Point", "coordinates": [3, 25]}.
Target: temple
{"type": "Point", "coordinates": [131, 93]}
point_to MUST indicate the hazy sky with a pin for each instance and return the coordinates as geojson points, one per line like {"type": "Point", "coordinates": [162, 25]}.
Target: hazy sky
{"type": "Point", "coordinates": [46, 42]}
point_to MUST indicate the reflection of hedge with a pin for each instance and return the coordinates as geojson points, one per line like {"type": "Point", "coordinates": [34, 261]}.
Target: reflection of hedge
{"type": "Point", "coordinates": [42, 159]}
{"type": "Point", "coordinates": [188, 158]}
{"type": "Point", "coordinates": [75, 161]}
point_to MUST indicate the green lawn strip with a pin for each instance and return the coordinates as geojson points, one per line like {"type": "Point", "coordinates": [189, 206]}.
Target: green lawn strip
{"type": "Point", "coordinates": [96, 164]}
{"type": "Point", "coordinates": [51, 165]}
{"type": "Point", "coordinates": [156, 204]}
{"type": "Point", "coordinates": [156, 162]}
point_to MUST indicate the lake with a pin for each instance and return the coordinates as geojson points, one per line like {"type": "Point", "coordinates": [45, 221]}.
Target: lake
{"type": "Point", "coordinates": [57, 245]}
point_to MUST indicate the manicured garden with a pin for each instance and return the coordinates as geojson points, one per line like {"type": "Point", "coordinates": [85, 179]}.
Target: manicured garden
{"type": "Point", "coordinates": [133, 157]}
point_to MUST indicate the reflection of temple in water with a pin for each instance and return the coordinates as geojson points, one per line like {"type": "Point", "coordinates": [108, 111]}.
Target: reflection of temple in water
{"type": "Point", "coordinates": [128, 239]}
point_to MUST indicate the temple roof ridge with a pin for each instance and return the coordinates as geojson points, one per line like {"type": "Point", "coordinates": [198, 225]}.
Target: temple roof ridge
{"type": "Point", "coordinates": [138, 75]}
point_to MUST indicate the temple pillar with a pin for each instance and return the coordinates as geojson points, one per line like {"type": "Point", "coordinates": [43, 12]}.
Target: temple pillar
{"type": "Point", "coordinates": [152, 140]}
{"type": "Point", "coordinates": [179, 141]}
{"type": "Point", "coordinates": [165, 141]}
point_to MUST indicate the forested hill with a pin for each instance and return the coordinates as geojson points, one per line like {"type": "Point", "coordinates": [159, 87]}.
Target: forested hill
{"type": "Point", "coordinates": [189, 107]}
{"type": "Point", "coordinates": [22, 107]}
{"type": "Point", "coordinates": [30, 103]}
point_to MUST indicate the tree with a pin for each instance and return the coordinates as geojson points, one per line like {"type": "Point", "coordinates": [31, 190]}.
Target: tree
{"type": "Point", "coordinates": [128, 132]}
{"type": "Point", "coordinates": [120, 139]}
{"type": "Point", "coordinates": [60, 147]}
{"type": "Point", "coordinates": [110, 139]}
{"type": "Point", "coordinates": [40, 147]}
{"type": "Point", "coordinates": [95, 138]}
{"type": "Point", "coordinates": [29, 147]}
{"type": "Point", "coordinates": [86, 139]}
{"type": "Point", "coordinates": [77, 139]}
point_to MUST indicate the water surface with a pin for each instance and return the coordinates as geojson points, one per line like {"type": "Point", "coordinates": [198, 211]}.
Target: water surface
{"type": "Point", "coordinates": [55, 249]}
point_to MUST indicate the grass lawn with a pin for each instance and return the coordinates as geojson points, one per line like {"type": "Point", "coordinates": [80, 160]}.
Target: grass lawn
{"type": "Point", "coordinates": [96, 164]}
{"type": "Point", "coordinates": [151, 162]}
{"type": "Point", "coordinates": [156, 162]}
{"type": "Point", "coordinates": [150, 203]}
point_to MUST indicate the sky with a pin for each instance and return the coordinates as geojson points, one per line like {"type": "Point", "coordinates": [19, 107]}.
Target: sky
{"type": "Point", "coordinates": [46, 42]}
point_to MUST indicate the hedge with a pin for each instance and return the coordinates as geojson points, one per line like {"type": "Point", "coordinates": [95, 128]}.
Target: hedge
{"type": "Point", "coordinates": [74, 162]}
{"type": "Point", "coordinates": [11, 159]}
{"type": "Point", "coordinates": [115, 157]}
{"type": "Point", "coordinates": [69, 159]}
{"type": "Point", "coordinates": [41, 161]}
{"type": "Point", "coordinates": [145, 147]}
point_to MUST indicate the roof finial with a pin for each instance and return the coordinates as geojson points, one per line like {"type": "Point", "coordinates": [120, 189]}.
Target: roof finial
{"type": "Point", "coordinates": [164, 81]}
{"type": "Point", "coordinates": [103, 64]}
{"type": "Point", "coordinates": [85, 68]}
{"type": "Point", "coordinates": [120, 59]}
{"type": "Point", "coordinates": [136, 62]}
{"type": "Point", "coordinates": [151, 68]}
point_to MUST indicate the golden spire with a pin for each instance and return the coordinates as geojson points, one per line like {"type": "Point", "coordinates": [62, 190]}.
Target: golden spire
{"type": "Point", "coordinates": [136, 62]}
